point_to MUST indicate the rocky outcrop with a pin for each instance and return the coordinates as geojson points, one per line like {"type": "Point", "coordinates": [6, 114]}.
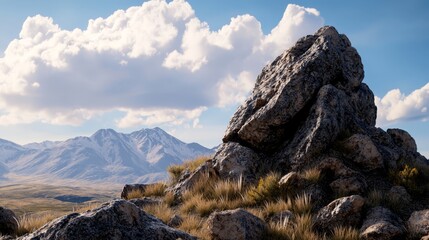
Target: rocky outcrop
{"type": "Point", "coordinates": [8, 222]}
{"type": "Point", "coordinates": [382, 224]}
{"type": "Point", "coordinates": [114, 220]}
{"type": "Point", "coordinates": [310, 110]}
{"type": "Point", "coordinates": [344, 211]}
{"type": "Point", "coordinates": [310, 106]}
{"type": "Point", "coordinates": [418, 223]}
{"type": "Point", "coordinates": [235, 225]}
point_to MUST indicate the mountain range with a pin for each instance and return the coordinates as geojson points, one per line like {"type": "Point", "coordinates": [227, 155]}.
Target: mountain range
{"type": "Point", "coordinates": [106, 156]}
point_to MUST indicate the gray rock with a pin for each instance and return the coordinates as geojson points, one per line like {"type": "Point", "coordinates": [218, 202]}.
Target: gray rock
{"type": "Point", "coordinates": [403, 139]}
{"type": "Point", "coordinates": [418, 223]}
{"type": "Point", "coordinates": [291, 180]}
{"type": "Point", "coordinates": [400, 195]}
{"type": "Point", "coordinates": [132, 187]}
{"type": "Point", "coordinates": [382, 224]}
{"type": "Point", "coordinates": [344, 211]}
{"type": "Point", "coordinates": [349, 185]}
{"type": "Point", "coordinates": [235, 161]}
{"type": "Point", "coordinates": [364, 152]}
{"type": "Point", "coordinates": [235, 224]}
{"type": "Point", "coordinates": [8, 222]}
{"type": "Point", "coordinates": [114, 220]}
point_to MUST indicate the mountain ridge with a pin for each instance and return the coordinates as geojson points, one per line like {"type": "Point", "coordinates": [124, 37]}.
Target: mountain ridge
{"type": "Point", "coordinates": [109, 156]}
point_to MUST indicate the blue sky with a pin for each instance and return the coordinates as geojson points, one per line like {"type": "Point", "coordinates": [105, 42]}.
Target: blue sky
{"type": "Point", "coordinates": [118, 84]}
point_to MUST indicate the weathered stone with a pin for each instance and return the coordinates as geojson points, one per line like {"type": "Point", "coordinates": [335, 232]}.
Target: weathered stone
{"type": "Point", "coordinates": [8, 222]}
{"type": "Point", "coordinates": [382, 224]}
{"type": "Point", "coordinates": [418, 223]}
{"type": "Point", "coordinates": [235, 161]}
{"type": "Point", "coordinates": [132, 187]}
{"type": "Point", "coordinates": [175, 221]}
{"type": "Point", "coordinates": [403, 139]}
{"type": "Point", "coordinates": [142, 202]}
{"type": "Point", "coordinates": [290, 180]}
{"type": "Point", "coordinates": [363, 151]}
{"type": "Point", "coordinates": [349, 185]}
{"type": "Point", "coordinates": [400, 195]}
{"type": "Point", "coordinates": [118, 219]}
{"type": "Point", "coordinates": [344, 211]}
{"type": "Point", "coordinates": [336, 167]}
{"type": "Point", "coordinates": [235, 224]}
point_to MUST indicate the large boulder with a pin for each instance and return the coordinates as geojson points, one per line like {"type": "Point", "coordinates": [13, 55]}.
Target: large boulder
{"type": "Point", "coordinates": [8, 222]}
{"type": "Point", "coordinates": [418, 223]}
{"type": "Point", "coordinates": [117, 219]}
{"type": "Point", "coordinates": [382, 224]}
{"type": "Point", "coordinates": [235, 224]}
{"type": "Point", "coordinates": [345, 211]}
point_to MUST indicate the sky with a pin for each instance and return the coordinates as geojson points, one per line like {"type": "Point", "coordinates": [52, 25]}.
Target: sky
{"type": "Point", "coordinates": [69, 68]}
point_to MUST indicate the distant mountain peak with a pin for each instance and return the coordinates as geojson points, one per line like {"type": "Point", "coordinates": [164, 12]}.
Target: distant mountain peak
{"type": "Point", "coordinates": [107, 155]}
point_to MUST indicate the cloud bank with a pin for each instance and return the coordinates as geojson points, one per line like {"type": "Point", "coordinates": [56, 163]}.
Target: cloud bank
{"type": "Point", "coordinates": [396, 106]}
{"type": "Point", "coordinates": [155, 63]}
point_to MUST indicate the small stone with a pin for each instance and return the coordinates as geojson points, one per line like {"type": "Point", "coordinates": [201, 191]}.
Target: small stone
{"type": "Point", "coordinates": [344, 211]}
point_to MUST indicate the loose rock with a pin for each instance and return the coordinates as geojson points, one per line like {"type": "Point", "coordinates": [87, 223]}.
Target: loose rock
{"type": "Point", "coordinates": [114, 220]}
{"type": "Point", "coordinates": [235, 225]}
{"type": "Point", "coordinates": [382, 224]}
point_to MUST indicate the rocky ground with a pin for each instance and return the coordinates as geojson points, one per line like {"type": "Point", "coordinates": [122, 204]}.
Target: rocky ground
{"type": "Point", "coordinates": [301, 159]}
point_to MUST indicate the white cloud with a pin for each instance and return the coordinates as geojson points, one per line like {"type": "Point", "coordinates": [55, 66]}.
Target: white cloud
{"type": "Point", "coordinates": [156, 63]}
{"type": "Point", "coordinates": [396, 106]}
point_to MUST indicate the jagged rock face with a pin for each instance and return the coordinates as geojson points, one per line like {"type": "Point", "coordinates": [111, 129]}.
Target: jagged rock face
{"type": "Point", "coordinates": [8, 222]}
{"type": "Point", "coordinates": [115, 220]}
{"type": "Point", "coordinates": [301, 103]}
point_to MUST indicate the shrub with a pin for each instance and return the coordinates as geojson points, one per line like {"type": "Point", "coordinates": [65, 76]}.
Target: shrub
{"type": "Point", "coordinates": [267, 189]}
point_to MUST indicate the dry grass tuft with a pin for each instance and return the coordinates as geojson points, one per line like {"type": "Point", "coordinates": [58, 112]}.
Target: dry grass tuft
{"type": "Point", "coordinates": [175, 171]}
{"type": "Point", "coordinates": [195, 226]}
{"type": "Point", "coordinates": [32, 222]}
{"type": "Point", "coordinates": [267, 189]}
{"type": "Point", "coordinates": [271, 208]}
{"type": "Point", "coordinates": [135, 193]}
{"type": "Point", "coordinates": [302, 204]}
{"type": "Point", "coordinates": [312, 175]}
{"type": "Point", "coordinates": [375, 198]}
{"type": "Point", "coordinates": [161, 211]}
{"type": "Point", "coordinates": [155, 190]}
{"type": "Point", "coordinates": [227, 189]}
{"type": "Point", "coordinates": [345, 233]}
{"type": "Point", "coordinates": [169, 199]}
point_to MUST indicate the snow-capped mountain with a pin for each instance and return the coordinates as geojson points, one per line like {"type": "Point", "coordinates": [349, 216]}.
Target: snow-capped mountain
{"type": "Point", "coordinates": [107, 156]}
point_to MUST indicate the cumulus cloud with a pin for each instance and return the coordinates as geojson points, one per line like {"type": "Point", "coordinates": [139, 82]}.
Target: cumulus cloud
{"type": "Point", "coordinates": [396, 106]}
{"type": "Point", "coordinates": [156, 63]}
